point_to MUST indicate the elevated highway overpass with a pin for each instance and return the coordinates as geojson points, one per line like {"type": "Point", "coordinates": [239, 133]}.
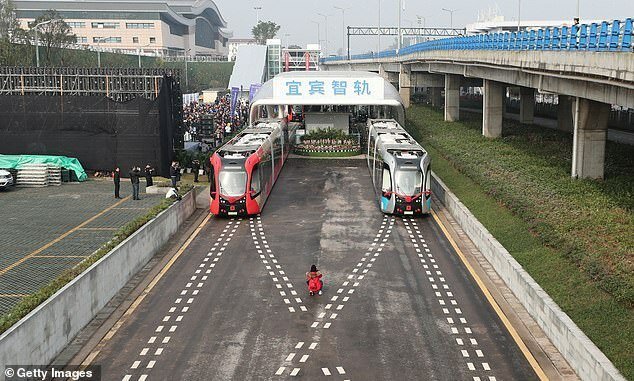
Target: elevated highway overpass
{"type": "Point", "coordinates": [590, 68]}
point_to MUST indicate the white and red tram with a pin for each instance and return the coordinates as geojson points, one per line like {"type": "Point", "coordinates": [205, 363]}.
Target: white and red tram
{"type": "Point", "coordinates": [245, 169]}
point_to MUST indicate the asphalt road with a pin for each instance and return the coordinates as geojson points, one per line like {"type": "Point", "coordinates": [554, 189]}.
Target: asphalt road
{"type": "Point", "coordinates": [397, 303]}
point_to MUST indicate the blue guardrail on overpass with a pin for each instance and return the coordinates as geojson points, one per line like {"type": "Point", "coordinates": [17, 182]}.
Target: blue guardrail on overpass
{"type": "Point", "coordinates": [595, 37]}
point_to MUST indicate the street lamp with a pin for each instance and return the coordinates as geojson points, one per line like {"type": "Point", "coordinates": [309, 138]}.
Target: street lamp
{"type": "Point", "coordinates": [424, 24]}
{"type": "Point", "coordinates": [326, 42]}
{"type": "Point", "coordinates": [186, 74]}
{"type": "Point", "coordinates": [257, 14]}
{"type": "Point", "coordinates": [519, 13]}
{"type": "Point", "coordinates": [37, 40]}
{"type": "Point", "coordinates": [343, 26]}
{"type": "Point", "coordinates": [318, 35]}
{"type": "Point", "coordinates": [400, 34]}
{"type": "Point", "coordinates": [139, 52]}
{"type": "Point", "coordinates": [379, 34]}
{"type": "Point", "coordinates": [451, 11]}
{"type": "Point", "coordinates": [100, 40]}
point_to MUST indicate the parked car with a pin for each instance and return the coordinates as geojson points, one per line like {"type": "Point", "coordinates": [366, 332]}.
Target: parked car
{"type": "Point", "coordinates": [6, 179]}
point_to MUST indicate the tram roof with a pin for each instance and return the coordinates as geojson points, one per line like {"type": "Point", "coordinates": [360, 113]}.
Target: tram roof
{"type": "Point", "coordinates": [345, 88]}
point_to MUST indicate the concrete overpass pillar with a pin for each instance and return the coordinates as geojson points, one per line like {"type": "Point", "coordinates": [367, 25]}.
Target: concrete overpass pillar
{"type": "Point", "coordinates": [589, 135]}
{"type": "Point", "coordinates": [492, 108]}
{"type": "Point", "coordinates": [527, 105]}
{"type": "Point", "coordinates": [405, 84]}
{"type": "Point", "coordinates": [452, 97]}
{"type": "Point", "coordinates": [436, 96]}
{"type": "Point", "coordinates": [564, 113]}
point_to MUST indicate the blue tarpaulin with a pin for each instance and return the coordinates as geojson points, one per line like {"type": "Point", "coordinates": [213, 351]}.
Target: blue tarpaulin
{"type": "Point", "coordinates": [16, 161]}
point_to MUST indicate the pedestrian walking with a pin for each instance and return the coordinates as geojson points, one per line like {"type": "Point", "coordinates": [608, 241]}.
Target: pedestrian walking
{"type": "Point", "coordinates": [135, 174]}
{"type": "Point", "coordinates": [196, 168]}
{"type": "Point", "coordinates": [149, 171]}
{"type": "Point", "coordinates": [174, 171]}
{"type": "Point", "coordinates": [116, 176]}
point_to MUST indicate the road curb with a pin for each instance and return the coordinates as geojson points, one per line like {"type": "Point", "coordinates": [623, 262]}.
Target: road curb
{"type": "Point", "coordinates": [580, 352]}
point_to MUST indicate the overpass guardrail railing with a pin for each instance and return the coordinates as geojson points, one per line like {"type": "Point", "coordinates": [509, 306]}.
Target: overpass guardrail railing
{"type": "Point", "coordinates": [596, 37]}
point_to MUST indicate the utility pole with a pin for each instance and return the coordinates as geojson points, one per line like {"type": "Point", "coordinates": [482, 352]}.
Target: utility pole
{"type": "Point", "coordinates": [343, 27]}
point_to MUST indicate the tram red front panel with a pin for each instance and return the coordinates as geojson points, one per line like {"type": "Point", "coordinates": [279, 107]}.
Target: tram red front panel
{"type": "Point", "coordinates": [222, 205]}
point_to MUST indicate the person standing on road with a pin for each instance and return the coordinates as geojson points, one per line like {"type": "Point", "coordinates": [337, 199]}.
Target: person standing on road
{"type": "Point", "coordinates": [116, 176]}
{"type": "Point", "coordinates": [148, 176]}
{"type": "Point", "coordinates": [174, 174]}
{"type": "Point", "coordinates": [196, 168]}
{"type": "Point", "coordinates": [135, 174]}
{"type": "Point", "coordinates": [207, 166]}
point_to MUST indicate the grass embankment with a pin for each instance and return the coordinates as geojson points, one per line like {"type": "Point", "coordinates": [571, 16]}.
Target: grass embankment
{"type": "Point", "coordinates": [575, 237]}
{"type": "Point", "coordinates": [30, 302]}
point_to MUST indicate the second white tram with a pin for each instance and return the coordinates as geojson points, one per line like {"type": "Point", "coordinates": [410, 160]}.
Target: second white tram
{"type": "Point", "coordinates": [400, 169]}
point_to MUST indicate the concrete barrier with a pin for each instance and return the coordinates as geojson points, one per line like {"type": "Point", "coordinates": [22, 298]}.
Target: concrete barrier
{"type": "Point", "coordinates": [580, 352]}
{"type": "Point", "coordinates": [43, 333]}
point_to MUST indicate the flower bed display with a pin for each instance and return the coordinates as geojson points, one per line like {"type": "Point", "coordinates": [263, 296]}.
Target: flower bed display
{"type": "Point", "coordinates": [328, 142]}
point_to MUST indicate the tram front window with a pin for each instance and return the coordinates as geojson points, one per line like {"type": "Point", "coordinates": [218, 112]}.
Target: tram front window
{"type": "Point", "coordinates": [409, 182]}
{"type": "Point", "coordinates": [232, 183]}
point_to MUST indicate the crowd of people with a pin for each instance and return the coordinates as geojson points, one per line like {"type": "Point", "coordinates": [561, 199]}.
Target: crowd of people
{"type": "Point", "coordinates": [224, 123]}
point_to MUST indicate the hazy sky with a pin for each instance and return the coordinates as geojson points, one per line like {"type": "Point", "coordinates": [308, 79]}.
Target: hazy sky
{"type": "Point", "coordinates": [295, 15]}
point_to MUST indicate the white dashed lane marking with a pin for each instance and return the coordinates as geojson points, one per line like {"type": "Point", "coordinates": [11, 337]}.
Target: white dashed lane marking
{"type": "Point", "coordinates": [195, 286]}
{"type": "Point", "coordinates": [274, 269]}
{"type": "Point", "coordinates": [457, 322]}
{"type": "Point", "coordinates": [347, 288]}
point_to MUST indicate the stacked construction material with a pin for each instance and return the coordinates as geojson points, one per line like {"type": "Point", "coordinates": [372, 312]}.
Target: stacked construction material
{"type": "Point", "coordinates": [54, 175]}
{"type": "Point", "coordinates": [33, 175]}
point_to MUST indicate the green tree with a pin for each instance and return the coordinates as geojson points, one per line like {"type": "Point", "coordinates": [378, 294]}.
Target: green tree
{"type": "Point", "coordinates": [54, 35]}
{"type": "Point", "coordinates": [265, 30]}
{"type": "Point", "coordinates": [14, 42]}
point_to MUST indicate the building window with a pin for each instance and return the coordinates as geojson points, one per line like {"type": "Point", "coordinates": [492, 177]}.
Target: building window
{"type": "Point", "coordinates": [105, 25]}
{"type": "Point", "coordinates": [152, 40]}
{"type": "Point", "coordinates": [135, 40]}
{"type": "Point", "coordinates": [139, 25]}
{"type": "Point", "coordinates": [107, 40]}
{"type": "Point", "coordinates": [76, 24]}
{"type": "Point", "coordinates": [82, 40]}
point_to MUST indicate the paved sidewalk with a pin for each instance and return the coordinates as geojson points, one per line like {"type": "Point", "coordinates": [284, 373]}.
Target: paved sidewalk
{"type": "Point", "coordinates": [49, 230]}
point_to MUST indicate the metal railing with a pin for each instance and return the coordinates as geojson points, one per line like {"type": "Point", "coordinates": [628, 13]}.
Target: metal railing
{"type": "Point", "coordinates": [596, 37]}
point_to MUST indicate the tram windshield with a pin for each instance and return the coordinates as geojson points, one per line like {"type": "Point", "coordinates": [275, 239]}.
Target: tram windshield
{"type": "Point", "coordinates": [232, 183]}
{"type": "Point", "coordinates": [409, 182]}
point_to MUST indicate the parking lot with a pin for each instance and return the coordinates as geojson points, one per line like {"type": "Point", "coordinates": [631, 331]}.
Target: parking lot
{"type": "Point", "coordinates": [46, 231]}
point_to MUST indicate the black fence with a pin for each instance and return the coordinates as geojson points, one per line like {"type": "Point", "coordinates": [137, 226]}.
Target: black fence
{"type": "Point", "coordinates": [100, 130]}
